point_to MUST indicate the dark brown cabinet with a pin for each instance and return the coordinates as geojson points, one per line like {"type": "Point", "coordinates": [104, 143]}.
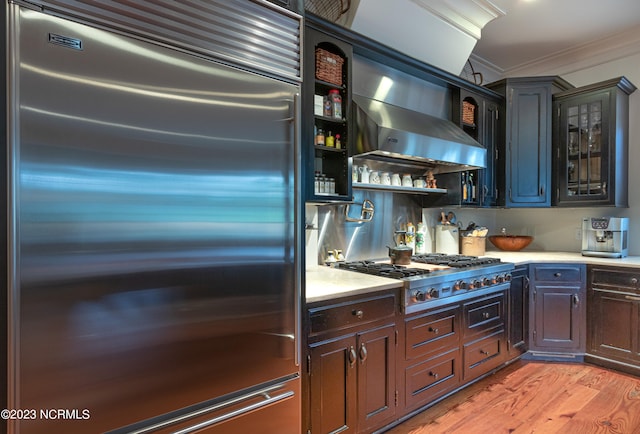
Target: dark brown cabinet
{"type": "Point", "coordinates": [432, 355]}
{"type": "Point", "coordinates": [591, 144]}
{"type": "Point", "coordinates": [614, 317]}
{"type": "Point", "coordinates": [352, 365]}
{"type": "Point", "coordinates": [558, 308]}
{"type": "Point", "coordinates": [527, 131]}
{"type": "Point", "coordinates": [484, 334]}
{"type": "Point", "coordinates": [518, 305]}
{"type": "Point", "coordinates": [327, 71]}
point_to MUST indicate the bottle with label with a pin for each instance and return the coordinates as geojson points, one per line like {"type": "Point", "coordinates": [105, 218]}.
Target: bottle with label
{"type": "Point", "coordinates": [336, 103]}
{"type": "Point", "coordinates": [338, 142]}
{"type": "Point", "coordinates": [329, 140]}
{"type": "Point", "coordinates": [472, 188]}
{"type": "Point", "coordinates": [320, 137]}
{"type": "Point", "coordinates": [464, 186]}
{"type": "Point", "coordinates": [420, 239]}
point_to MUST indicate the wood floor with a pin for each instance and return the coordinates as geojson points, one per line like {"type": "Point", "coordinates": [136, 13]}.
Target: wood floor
{"type": "Point", "coordinates": [537, 397]}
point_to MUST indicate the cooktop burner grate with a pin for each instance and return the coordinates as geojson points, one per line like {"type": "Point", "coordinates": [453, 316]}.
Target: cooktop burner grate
{"type": "Point", "coordinates": [456, 261]}
{"type": "Point", "coordinates": [384, 270]}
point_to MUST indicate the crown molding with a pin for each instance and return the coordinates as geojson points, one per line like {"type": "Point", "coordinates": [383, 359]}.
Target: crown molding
{"type": "Point", "coordinates": [468, 16]}
{"type": "Point", "coordinates": [580, 57]}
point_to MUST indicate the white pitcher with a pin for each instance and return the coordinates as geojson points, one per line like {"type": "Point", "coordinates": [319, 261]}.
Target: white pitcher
{"type": "Point", "coordinates": [364, 173]}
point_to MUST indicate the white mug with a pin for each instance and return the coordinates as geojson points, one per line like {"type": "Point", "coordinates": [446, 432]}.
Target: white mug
{"type": "Point", "coordinates": [395, 180]}
{"type": "Point", "coordinates": [419, 183]}
{"type": "Point", "coordinates": [385, 178]}
{"type": "Point", "coordinates": [374, 178]}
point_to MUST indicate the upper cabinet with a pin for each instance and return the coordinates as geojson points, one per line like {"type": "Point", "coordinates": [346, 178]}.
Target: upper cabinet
{"type": "Point", "coordinates": [479, 115]}
{"type": "Point", "coordinates": [326, 114]}
{"type": "Point", "coordinates": [527, 131]}
{"type": "Point", "coordinates": [591, 144]}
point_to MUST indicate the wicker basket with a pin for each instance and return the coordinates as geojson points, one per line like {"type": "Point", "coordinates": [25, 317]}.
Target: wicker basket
{"type": "Point", "coordinates": [329, 67]}
{"type": "Point", "coordinates": [468, 113]}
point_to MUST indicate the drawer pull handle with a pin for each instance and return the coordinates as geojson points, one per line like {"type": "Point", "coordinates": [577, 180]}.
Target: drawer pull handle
{"type": "Point", "coordinates": [486, 315]}
{"type": "Point", "coordinates": [558, 274]}
{"type": "Point", "coordinates": [634, 280]}
{"type": "Point", "coordinates": [631, 297]}
{"type": "Point", "coordinates": [358, 314]}
{"type": "Point", "coordinates": [486, 353]}
{"type": "Point", "coordinates": [352, 356]}
{"type": "Point", "coordinates": [433, 374]}
{"type": "Point", "coordinates": [576, 300]}
{"type": "Point", "coordinates": [434, 331]}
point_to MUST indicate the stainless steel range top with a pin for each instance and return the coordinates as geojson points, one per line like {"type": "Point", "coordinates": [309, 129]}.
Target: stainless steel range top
{"type": "Point", "coordinates": [435, 279]}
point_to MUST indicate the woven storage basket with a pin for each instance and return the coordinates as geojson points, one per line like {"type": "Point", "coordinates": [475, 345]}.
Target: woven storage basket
{"type": "Point", "coordinates": [468, 113]}
{"type": "Point", "coordinates": [329, 67]}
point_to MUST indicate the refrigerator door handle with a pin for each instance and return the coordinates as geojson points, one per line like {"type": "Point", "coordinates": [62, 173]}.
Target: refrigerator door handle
{"type": "Point", "coordinates": [298, 239]}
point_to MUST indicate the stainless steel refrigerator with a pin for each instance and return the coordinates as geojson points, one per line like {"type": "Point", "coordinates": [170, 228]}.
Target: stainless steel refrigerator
{"type": "Point", "coordinates": [153, 272]}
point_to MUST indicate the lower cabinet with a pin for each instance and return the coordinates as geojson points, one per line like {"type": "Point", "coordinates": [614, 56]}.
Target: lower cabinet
{"type": "Point", "coordinates": [518, 313]}
{"type": "Point", "coordinates": [614, 317]}
{"type": "Point", "coordinates": [432, 363]}
{"type": "Point", "coordinates": [558, 308]}
{"type": "Point", "coordinates": [352, 366]}
{"type": "Point", "coordinates": [484, 335]}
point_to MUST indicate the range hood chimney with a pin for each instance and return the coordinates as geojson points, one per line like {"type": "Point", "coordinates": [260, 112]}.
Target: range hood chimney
{"type": "Point", "coordinates": [442, 33]}
{"type": "Point", "coordinates": [388, 132]}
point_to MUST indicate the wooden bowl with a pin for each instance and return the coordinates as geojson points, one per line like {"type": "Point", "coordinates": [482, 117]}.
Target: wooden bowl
{"type": "Point", "coordinates": [510, 243]}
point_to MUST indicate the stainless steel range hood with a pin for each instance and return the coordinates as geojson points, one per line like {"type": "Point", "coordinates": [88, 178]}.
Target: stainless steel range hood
{"type": "Point", "coordinates": [389, 132]}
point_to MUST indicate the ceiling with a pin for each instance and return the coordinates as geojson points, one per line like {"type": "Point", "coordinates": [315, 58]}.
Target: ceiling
{"type": "Point", "coordinates": [535, 31]}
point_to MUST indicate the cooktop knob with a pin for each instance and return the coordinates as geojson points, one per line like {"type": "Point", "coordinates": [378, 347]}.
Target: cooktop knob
{"type": "Point", "coordinates": [486, 281]}
{"type": "Point", "coordinates": [433, 293]}
{"type": "Point", "coordinates": [475, 284]}
{"type": "Point", "coordinates": [460, 284]}
{"type": "Point", "coordinates": [420, 295]}
{"type": "Point", "coordinates": [507, 277]}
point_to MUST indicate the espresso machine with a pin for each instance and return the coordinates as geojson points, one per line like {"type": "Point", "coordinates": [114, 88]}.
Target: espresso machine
{"type": "Point", "coordinates": [606, 237]}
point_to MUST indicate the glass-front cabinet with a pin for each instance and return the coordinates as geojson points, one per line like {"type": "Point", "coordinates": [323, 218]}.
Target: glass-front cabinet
{"type": "Point", "coordinates": [591, 144]}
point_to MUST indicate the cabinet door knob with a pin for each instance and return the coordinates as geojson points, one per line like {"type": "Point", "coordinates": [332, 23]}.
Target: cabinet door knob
{"type": "Point", "coordinates": [433, 374]}
{"type": "Point", "coordinates": [576, 300]}
{"type": "Point", "coordinates": [486, 353]}
{"type": "Point", "coordinates": [358, 314]}
{"type": "Point", "coordinates": [435, 331]}
{"type": "Point", "coordinates": [486, 315]}
{"type": "Point", "coordinates": [634, 280]}
{"type": "Point", "coordinates": [558, 274]}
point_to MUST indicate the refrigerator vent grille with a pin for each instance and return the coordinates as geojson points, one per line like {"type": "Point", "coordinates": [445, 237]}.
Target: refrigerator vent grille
{"type": "Point", "coordinates": [254, 34]}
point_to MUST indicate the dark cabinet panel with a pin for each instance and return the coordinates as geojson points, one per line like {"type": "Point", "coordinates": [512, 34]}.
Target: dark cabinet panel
{"type": "Point", "coordinates": [558, 308]}
{"type": "Point", "coordinates": [333, 386]}
{"type": "Point", "coordinates": [428, 380]}
{"type": "Point", "coordinates": [527, 132]}
{"type": "Point", "coordinates": [591, 144]}
{"type": "Point", "coordinates": [518, 306]}
{"type": "Point", "coordinates": [614, 317]}
{"type": "Point", "coordinates": [352, 365]}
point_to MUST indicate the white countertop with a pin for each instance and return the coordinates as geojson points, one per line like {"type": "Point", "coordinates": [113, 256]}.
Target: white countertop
{"type": "Point", "coordinates": [326, 283]}
{"type": "Point", "coordinates": [525, 257]}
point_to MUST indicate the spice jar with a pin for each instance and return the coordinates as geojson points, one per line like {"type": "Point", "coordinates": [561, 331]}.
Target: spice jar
{"type": "Point", "coordinates": [329, 141]}
{"type": "Point", "coordinates": [320, 137]}
{"type": "Point", "coordinates": [336, 103]}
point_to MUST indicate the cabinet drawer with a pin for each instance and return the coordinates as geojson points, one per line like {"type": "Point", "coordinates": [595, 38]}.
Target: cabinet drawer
{"type": "Point", "coordinates": [351, 314]}
{"type": "Point", "coordinates": [626, 280]}
{"type": "Point", "coordinates": [435, 331]}
{"type": "Point", "coordinates": [428, 380]}
{"type": "Point", "coordinates": [558, 273]}
{"type": "Point", "coordinates": [484, 314]}
{"type": "Point", "coordinates": [484, 355]}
